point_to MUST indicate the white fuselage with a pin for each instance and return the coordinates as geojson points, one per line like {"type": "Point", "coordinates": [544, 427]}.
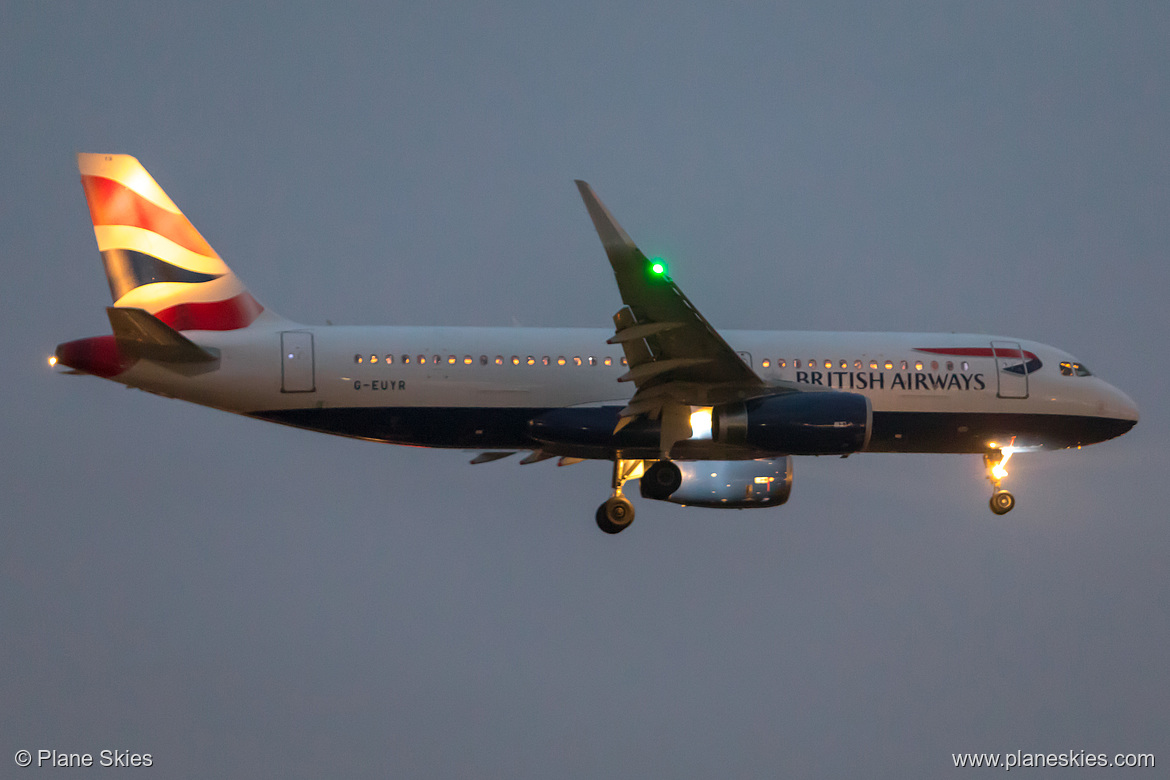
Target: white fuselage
{"type": "Point", "coordinates": [427, 373]}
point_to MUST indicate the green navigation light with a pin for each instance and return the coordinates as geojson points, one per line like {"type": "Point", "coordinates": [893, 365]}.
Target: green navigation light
{"type": "Point", "coordinates": [658, 268]}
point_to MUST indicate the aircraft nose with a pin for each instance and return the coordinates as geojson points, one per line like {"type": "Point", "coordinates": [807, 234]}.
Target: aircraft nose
{"type": "Point", "coordinates": [1121, 406]}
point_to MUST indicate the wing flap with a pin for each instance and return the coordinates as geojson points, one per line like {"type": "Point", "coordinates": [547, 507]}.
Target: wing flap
{"type": "Point", "coordinates": [653, 368]}
{"type": "Point", "coordinates": [641, 331]}
{"type": "Point", "coordinates": [488, 457]}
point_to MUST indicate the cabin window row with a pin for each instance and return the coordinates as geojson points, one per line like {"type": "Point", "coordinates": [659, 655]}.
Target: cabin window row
{"type": "Point", "coordinates": [874, 365]}
{"type": "Point", "coordinates": [484, 360]}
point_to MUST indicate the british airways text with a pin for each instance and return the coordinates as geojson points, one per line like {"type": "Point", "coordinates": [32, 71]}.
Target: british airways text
{"type": "Point", "coordinates": [876, 380]}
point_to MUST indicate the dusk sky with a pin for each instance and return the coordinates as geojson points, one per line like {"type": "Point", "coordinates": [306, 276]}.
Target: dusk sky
{"type": "Point", "coordinates": [238, 598]}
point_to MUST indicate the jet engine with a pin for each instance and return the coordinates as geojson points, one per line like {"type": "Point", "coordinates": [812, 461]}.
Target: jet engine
{"type": "Point", "coordinates": [818, 423]}
{"type": "Point", "coordinates": [738, 484]}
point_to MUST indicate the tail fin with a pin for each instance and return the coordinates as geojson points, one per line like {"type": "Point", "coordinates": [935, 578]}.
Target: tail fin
{"type": "Point", "coordinates": [155, 259]}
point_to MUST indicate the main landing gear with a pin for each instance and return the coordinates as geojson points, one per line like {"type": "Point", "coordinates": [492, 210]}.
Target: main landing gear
{"type": "Point", "coordinates": [616, 514]}
{"type": "Point", "coordinates": [1002, 501]}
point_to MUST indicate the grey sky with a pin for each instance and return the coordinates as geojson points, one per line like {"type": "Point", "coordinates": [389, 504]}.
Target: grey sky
{"type": "Point", "coordinates": [238, 598]}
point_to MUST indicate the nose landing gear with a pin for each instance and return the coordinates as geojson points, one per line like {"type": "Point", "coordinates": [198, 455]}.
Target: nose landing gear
{"type": "Point", "coordinates": [616, 514]}
{"type": "Point", "coordinates": [1002, 501]}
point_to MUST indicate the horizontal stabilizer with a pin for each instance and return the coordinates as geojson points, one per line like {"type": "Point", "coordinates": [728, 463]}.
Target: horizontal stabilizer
{"type": "Point", "coordinates": [142, 335]}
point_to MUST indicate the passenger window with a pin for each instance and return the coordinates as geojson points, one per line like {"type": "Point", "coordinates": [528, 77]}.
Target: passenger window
{"type": "Point", "coordinates": [561, 360]}
{"type": "Point", "coordinates": [546, 360]}
{"type": "Point", "coordinates": [499, 360]}
{"type": "Point", "coordinates": [515, 360]}
{"type": "Point", "coordinates": [767, 363]}
{"type": "Point", "coordinates": [844, 364]}
{"type": "Point", "coordinates": [783, 364]}
{"type": "Point", "coordinates": [389, 359]}
{"type": "Point", "coordinates": [828, 364]}
{"type": "Point", "coordinates": [873, 364]}
{"type": "Point", "coordinates": [950, 365]}
{"type": "Point", "coordinates": [608, 361]}
{"type": "Point", "coordinates": [796, 364]}
{"type": "Point", "coordinates": [576, 361]}
{"type": "Point", "coordinates": [438, 359]}
{"type": "Point", "coordinates": [918, 366]}
{"type": "Point", "coordinates": [357, 358]}
{"type": "Point", "coordinates": [373, 359]}
{"type": "Point", "coordinates": [468, 360]}
{"type": "Point", "coordinates": [592, 360]}
{"type": "Point", "coordinates": [857, 364]}
{"type": "Point", "coordinates": [422, 359]}
{"type": "Point", "coordinates": [889, 365]}
{"type": "Point", "coordinates": [966, 366]}
{"type": "Point", "coordinates": [902, 366]}
{"type": "Point", "coordinates": [624, 363]}
{"type": "Point", "coordinates": [483, 361]}
{"type": "Point", "coordinates": [934, 365]}
{"type": "Point", "coordinates": [406, 359]}
{"type": "Point", "coordinates": [531, 360]}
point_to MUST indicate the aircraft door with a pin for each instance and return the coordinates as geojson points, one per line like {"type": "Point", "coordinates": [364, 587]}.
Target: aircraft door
{"type": "Point", "coordinates": [1011, 369]}
{"type": "Point", "coordinates": [296, 349]}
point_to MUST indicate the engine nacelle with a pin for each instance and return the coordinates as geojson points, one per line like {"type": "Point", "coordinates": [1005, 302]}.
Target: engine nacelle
{"type": "Point", "coordinates": [735, 484]}
{"type": "Point", "coordinates": [820, 423]}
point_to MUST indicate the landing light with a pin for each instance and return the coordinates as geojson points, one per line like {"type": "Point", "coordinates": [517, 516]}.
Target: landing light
{"type": "Point", "coordinates": [52, 361]}
{"type": "Point", "coordinates": [998, 470]}
{"type": "Point", "coordinates": [701, 423]}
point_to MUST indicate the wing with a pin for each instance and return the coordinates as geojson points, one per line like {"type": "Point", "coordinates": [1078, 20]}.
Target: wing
{"type": "Point", "coordinates": [675, 357]}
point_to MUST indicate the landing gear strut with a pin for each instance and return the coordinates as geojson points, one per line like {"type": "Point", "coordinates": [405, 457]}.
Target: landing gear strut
{"type": "Point", "coordinates": [1002, 501]}
{"type": "Point", "coordinates": [616, 514]}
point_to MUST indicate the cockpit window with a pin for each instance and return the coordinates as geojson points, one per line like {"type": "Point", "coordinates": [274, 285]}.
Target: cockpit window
{"type": "Point", "coordinates": [1074, 369]}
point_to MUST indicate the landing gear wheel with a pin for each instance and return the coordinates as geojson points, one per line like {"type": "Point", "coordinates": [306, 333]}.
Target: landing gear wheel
{"type": "Point", "coordinates": [1002, 502]}
{"type": "Point", "coordinates": [615, 515]}
{"type": "Point", "coordinates": [660, 480]}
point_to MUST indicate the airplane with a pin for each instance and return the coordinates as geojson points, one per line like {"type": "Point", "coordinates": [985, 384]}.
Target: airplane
{"type": "Point", "coordinates": [699, 417]}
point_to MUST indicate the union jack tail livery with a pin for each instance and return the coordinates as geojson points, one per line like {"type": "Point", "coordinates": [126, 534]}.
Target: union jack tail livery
{"type": "Point", "coordinates": [155, 259]}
